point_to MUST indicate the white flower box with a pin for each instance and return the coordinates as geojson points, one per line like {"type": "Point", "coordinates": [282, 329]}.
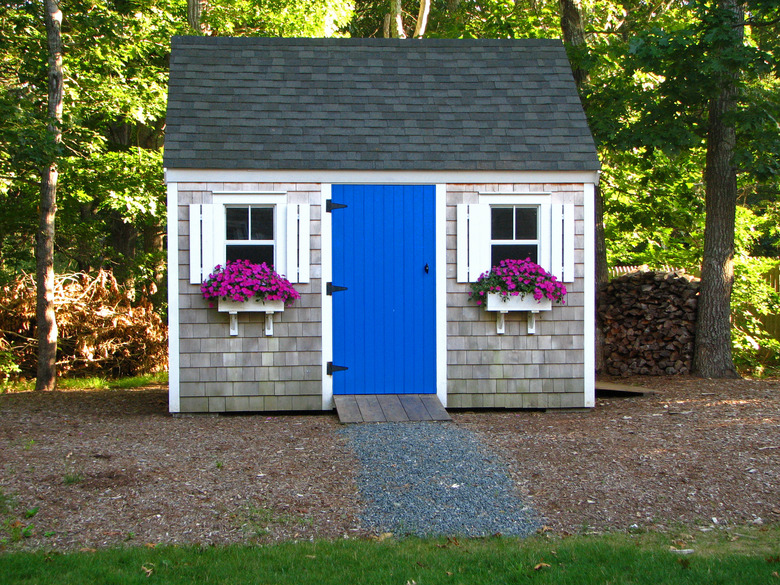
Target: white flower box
{"type": "Point", "coordinates": [518, 303]}
{"type": "Point", "coordinates": [250, 306]}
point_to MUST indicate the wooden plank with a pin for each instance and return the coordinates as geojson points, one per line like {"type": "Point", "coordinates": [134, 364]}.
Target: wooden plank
{"type": "Point", "coordinates": [369, 408]}
{"type": "Point", "coordinates": [414, 407]}
{"type": "Point", "coordinates": [613, 389]}
{"type": "Point", "coordinates": [347, 409]}
{"type": "Point", "coordinates": [434, 407]}
{"type": "Point", "coordinates": [391, 407]}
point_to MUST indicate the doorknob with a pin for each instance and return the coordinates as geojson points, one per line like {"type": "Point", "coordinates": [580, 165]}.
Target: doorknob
{"type": "Point", "coordinates": [427, 268]}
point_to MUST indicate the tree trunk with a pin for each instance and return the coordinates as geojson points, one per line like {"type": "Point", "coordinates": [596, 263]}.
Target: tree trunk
{"type": "Point", "coordinates": [44, 249]}
{"type": "Point", "coordinates": [712, 355]}
{"type": "Point", "coordinates": [398, 19]}
{"type": "Point", "coordinates": [194, 10]}
{"type": "Point", "coordinates": [574, 38]}
{"type": "Point", "coordinates": [422, 19]}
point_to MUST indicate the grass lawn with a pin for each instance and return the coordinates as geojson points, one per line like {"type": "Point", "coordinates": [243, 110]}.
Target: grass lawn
{"type": "Point", "coordinates": [91, 383]}
{"type": "Point", "coordinates": [748, 555]}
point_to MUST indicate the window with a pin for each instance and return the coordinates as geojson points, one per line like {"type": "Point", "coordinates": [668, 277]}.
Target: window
{"type": "Point", "coordinates": [259, 227]}
{"type": "Point", "coordinates": [514, 225]}
{"type": "Point", "coordinates": [514, 233]}
{"type": "Point", "coordinates": [249, 234]}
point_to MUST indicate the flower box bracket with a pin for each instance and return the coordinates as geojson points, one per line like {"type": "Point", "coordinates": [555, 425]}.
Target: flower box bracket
{"type": "Point", "coordinates": [233, 308]}
{"type": "Point", "coordinates": [526, 303]}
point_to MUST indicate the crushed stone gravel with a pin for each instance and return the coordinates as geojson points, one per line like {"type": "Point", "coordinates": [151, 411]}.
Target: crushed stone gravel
{"type": "Point", "coordinates": [435, 479]}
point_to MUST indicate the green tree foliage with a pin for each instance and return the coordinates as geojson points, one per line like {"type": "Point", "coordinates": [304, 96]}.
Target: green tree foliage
{"type": "Point", "coordinates": [652, 69]}
{"type": "Point", "coordinates": [115, 60]}
{"type": "Point", "coordinates": [112, 194]}
{"type": "Point", "coordinates": [652, 122]}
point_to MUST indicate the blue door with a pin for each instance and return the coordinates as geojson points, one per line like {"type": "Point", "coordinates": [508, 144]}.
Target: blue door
{"type": "Point", "coordinates": [384, 322]}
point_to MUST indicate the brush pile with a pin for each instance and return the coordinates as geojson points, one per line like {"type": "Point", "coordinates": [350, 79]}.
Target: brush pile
{"type": "Point", "coordinates": [648, 320]}
{"type": "Point", "coordinates": [102, 329]}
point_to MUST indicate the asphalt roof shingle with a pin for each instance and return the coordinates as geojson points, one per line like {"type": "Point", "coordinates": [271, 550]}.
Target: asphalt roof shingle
{"type": "Point", "coordinates": [368, 104]}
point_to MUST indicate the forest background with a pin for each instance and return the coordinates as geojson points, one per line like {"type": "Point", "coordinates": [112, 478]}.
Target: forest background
{"type": "Point", "coordinates": [647, 72]}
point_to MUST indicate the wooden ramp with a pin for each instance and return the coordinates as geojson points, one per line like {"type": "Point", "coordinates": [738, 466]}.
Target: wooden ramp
{"type": "Point", "coordinates": [360, 408]}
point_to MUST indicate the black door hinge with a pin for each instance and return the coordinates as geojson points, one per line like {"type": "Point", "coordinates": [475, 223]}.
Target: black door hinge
{"type": "Point", "coordinates": [332, 368]}
{"type": "Point", "coordinates": [330, 206]}
{"type": "Point", "coordinates": [330, 288]}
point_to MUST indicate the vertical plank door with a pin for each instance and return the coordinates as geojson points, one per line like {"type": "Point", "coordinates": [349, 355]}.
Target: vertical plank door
{"type": "Point", "coordinates": [384, 323]}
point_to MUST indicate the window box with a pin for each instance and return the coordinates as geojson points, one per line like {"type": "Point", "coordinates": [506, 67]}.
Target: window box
{"type": "Point", "coordinates": [518, 303]}
{"type": "Point", "coordinates": [250, 306]}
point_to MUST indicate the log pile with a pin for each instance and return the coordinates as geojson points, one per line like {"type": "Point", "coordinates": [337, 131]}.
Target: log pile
{"type": "Point", "coordinates": [648, 320]}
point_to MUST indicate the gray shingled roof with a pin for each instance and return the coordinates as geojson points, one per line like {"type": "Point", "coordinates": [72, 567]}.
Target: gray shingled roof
{"type": "Point", "coordinates": [374, 104]}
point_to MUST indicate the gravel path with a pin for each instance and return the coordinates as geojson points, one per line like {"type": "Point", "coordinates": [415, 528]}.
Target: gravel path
{"type": "Point", "coordinates": [429, 479]}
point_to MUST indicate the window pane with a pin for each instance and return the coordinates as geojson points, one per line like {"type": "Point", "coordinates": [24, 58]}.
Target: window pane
{"type": "Point", "coordinates": [526, 223]}
{"type": "Point", "coordinates": [262, 223]}
{"type": "Point", "coordinates": [513, 252]}
{"type": "Point", "coordinates": [501, 223]}
{"type": "Point", "coordinates": [255, 254]}
{"type": "Point", "coordinates": [237, 223]}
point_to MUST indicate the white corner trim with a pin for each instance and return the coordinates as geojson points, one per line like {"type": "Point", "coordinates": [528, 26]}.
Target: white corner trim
{"type": "Point", "coordinates": [327, 301]}
{"type": "Point", "coordinates": [174, 403]}
{"type": "Point", "coordinates": [590, 295]}
{"type": "Point", "coordinates": [441, 293]}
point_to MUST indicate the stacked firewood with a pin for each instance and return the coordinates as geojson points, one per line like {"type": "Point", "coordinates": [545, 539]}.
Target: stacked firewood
{"type": "Point", "coordinates": [648, 320]}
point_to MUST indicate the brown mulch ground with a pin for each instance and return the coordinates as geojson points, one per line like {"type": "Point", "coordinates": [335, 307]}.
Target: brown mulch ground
{"type": "Point", "coordinates": [108, 467]}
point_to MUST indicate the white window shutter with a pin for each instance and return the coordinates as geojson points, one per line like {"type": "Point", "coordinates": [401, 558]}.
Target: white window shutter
{"type": "Point", "coordinates": [298, 246]}
{"type": "Point", "coordinates": [196, 265]}
{"type": "Point", "coordinates": [562, 242]}
{"type": "Point", "coordinates": [479, 240]}
{"type": "Point", "coordinates": [568, 243]}
{"type": "Point", "coordinates": [462, 242]}
{"type": "Point", "coordinates": [556, 241]}
{"type": "Point", "coordinates": [291, 243]}
{"type": "Point", "coordinates": [546, 251]}
{"type": "Point", "coordinates": [472, 241]}
{"type": "Point", "coordinates": [212, 238]}
{"type": "Point", "coordinates": [202, 240]}
{"type": "Point", "coordinates": [304, 243]}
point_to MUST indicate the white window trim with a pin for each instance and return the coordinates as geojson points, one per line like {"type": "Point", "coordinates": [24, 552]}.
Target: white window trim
{"type": "Point", "coordinates": [473, 241]}
{"type": "Point", "coordinates": [513, 241]}
{"type": "Point", "coordinates": [539, 200]}
{"type": "Point", "coordinates": [292, 231]}
{"type": "Point", "coordinates": [276, 200]}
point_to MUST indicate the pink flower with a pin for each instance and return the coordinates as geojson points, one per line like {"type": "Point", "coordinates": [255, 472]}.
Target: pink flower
{"type": "Point", "coordinates": [241, 280]}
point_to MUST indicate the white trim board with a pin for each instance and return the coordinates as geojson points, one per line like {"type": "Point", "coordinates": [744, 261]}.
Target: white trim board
{"type": "Point", "coordinates": [174, 402]}
{"type": "Point", "coordinates": [589, 303]}
{"type": "Point", "coordinates": [441, 293]}
{"type": "Point", "coordinates": [378, 177]}
{"type": "Point", "coordinates": [326, 227]}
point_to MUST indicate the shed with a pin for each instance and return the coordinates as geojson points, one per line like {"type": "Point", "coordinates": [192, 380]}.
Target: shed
{"type": "Point", "coordinates": [376, 175]}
